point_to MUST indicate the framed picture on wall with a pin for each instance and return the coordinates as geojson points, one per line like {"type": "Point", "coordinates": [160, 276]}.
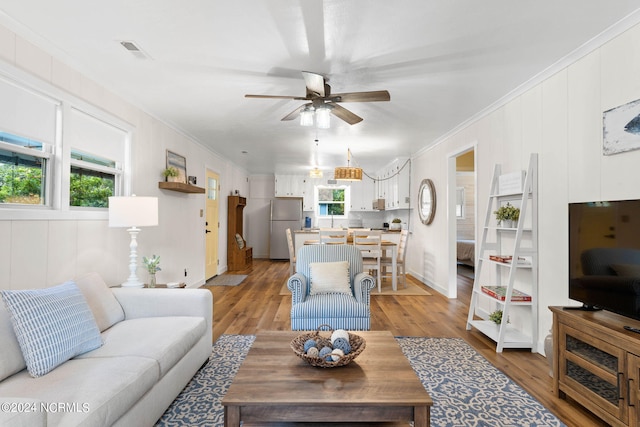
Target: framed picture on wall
{"type": "Point", "coordinates": [621, 128]}
{"type": "Point", "coordinates": [180, 163]}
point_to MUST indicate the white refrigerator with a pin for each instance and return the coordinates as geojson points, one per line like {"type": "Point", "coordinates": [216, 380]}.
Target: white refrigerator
{"type": "Point", "coordinates": [285, 213]}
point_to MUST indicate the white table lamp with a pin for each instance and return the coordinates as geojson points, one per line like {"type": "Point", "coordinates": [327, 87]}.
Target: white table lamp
{"type": "Point", "coordinates": [133, 212]}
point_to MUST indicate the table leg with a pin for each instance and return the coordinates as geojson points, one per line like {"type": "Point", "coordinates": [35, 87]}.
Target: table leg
{"type": "Point", "coordinates": [231, 416]}
{"type": "Point", "coordinates": [394, 268]}
{"type": "Point", "coordinates": [421, 416]}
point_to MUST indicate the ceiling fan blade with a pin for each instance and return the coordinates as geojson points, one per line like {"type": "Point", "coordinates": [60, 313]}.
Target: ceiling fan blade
{"type": "Point", "coordinates": [275, 97]}
{"type": "Point", "coordinates": [295, 113]}
{"type": "Point", "coordinates": [376, 95]}
{"type": "Point", "coordinates": [315, 84]}
{"type": "Point", "coordinates": [344, 114]}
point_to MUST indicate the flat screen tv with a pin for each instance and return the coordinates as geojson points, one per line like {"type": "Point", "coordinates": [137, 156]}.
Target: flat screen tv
{"type": "Point", "coordinates": [604, 255]}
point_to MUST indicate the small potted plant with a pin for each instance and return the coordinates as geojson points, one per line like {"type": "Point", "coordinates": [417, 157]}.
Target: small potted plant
{"type": "Point", "coordinates": [153, 266]}
{"type": "Point", "coordinates": [507, 215]}
{"type": "Point", "coordinates": [396, 224]}
{"type": "Point", "coordinates": [496, 317]}
{"type": "Point", "coordinates": [170, 174]}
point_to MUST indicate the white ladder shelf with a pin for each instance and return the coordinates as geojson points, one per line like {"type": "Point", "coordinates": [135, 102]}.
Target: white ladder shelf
{"type": "Point", "coordinates": [506, 335]}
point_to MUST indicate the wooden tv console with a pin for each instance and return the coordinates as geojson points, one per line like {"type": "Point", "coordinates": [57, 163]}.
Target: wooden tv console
{"type": "Point", "coordinates": [596, 362]}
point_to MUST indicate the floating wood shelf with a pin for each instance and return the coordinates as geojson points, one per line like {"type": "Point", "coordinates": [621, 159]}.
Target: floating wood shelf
{"type": "Point", "coordinates": [181, 187]}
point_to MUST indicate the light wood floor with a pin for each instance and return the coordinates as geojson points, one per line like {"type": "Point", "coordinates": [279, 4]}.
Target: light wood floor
{"type": "Point", "coordinates": [256, 305]}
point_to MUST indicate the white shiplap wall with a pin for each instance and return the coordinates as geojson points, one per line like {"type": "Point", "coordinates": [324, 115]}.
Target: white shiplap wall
{"type": "Point", "coordinates": [561, 119]}
{"type": "Point", "coordinates": [41, 252]}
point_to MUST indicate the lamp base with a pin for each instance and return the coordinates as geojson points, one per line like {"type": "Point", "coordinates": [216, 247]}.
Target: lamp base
{"type": "Point", "coordinates": [133, 281]}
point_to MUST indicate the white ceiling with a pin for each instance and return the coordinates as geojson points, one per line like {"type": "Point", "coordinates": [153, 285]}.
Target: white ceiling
{"type": "Point", "coordinates": [442, 62]}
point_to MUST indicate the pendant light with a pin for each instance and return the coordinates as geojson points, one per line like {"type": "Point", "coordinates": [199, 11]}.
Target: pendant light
{"type": "Point", "coordinates": [348, 173]}
{"type": "Point", "coordinates": [315, 172]}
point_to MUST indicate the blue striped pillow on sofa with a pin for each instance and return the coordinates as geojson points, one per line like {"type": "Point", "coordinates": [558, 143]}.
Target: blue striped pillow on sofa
{"type": "Point", "coordinates": [52, 325]}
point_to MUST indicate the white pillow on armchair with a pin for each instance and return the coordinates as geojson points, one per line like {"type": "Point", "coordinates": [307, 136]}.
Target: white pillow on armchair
{"type": "Point", "coordinates": [330, 278]}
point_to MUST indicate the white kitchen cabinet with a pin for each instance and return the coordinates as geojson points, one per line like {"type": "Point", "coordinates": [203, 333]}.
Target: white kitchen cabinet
{"type": "Point", "coordinates": [308, 198]}
{"type": "Point", "coordinates": [290, 185]}
{"type": "Point", "coordinates": [403, 193]}
{"type": "Point", "coordinates": [362, 195]}
{"type": "Point", "coordinates": [394, 184]}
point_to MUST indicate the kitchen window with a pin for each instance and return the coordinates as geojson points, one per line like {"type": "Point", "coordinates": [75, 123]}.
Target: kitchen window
{"type": "Point", "coordinates": [332, 201]}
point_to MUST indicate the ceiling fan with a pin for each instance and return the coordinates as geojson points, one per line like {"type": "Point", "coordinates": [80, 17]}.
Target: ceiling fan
{"type": "Point", "coordinates": [319, 93]}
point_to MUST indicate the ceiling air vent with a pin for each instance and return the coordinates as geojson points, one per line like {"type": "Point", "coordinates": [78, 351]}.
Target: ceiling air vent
{"type": "Point", "coordinates": [134, 49]}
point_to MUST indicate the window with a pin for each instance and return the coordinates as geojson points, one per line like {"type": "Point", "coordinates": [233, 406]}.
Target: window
{"type": "Point", "coordinates": [92, 180]}
{"type": "Point", "coordinates": [460, 202]}
{"type": "Point", "coordinates": [97, 155]}
{"type": "Point", "coordinates": [23, 171]}
{"type": "Point", "coordinates": [59, 156]}
{"type": "Point", "coordinates": [332, 201]}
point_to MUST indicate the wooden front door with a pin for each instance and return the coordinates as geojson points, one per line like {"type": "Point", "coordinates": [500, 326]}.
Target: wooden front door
{"type": "Point", "coordinates": [212, 225]}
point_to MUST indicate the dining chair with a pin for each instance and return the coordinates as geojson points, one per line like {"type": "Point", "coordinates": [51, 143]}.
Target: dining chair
{"type": "Point", "coordinates": [370, 244]}
{"type": "Point", "coordinates": [386, 262]}
{"type": "Point", "coordinates": [351, 230]}
{"type": "Point", "coordinates": [292, 253]}
{"type": "Point", "coordinates": [333, 236]}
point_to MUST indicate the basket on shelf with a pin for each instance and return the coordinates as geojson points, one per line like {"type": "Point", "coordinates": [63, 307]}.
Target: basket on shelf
{"type": "Point", "coordinates": [356, 342]}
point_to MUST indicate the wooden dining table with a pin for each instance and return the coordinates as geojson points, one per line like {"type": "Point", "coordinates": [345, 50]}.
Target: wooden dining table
{"type": "Point", "coordinates": [386, 246]}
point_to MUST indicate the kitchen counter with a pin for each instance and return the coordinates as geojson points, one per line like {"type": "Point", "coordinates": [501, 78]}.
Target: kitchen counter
{"type": "Point", "coordinates": [300, 236]}
{"type": "Point", "coordinates": [316, 230]}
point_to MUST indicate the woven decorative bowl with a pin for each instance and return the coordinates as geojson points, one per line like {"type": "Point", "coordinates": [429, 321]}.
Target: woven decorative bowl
{"type": "Point", "coordinates": [356, 342]}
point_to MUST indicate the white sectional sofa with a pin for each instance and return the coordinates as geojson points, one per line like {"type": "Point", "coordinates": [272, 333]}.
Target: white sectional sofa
{"type": "Point", "coordinates": [153, 342]}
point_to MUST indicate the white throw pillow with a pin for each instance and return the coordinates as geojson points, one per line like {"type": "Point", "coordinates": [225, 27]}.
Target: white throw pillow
{"type": "Point", "coordinates": [330, 277]}
{"type": "Point", "coordinates": [104, 306]}
{"type": "Point", "coordinates": [52, 325]}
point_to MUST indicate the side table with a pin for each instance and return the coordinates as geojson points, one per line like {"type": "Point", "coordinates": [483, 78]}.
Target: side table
{"type": "Point", "coordinates": [161, 286]}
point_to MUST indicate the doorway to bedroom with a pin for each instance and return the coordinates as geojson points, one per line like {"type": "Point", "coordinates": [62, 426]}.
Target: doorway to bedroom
{"type": "Point", "coordinates": [462, 214]}
{"type": "Point", "coordinates": [465, 214]}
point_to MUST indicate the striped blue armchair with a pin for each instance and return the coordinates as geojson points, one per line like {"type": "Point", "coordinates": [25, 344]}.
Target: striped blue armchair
{"type": "Point", "coordinates": [340, 310]}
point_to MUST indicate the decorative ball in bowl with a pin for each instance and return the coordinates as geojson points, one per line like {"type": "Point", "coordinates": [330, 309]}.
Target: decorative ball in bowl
{"type": "Point", "coordinates": [339, 348]}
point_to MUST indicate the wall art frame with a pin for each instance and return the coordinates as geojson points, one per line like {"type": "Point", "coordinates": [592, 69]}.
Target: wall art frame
{"type": "Point", "coordinates": [621, 128]}
{"type": "Point", "coordinates": [179, 162]}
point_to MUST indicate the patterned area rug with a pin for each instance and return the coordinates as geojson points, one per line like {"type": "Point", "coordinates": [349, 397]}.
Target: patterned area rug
{"type": "Point", "coordinates": [466, 389]}
{"type": "Point", "coordinates": [226, 280]}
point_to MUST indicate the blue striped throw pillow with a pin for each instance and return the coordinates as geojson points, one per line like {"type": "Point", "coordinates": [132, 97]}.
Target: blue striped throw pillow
{"type": "Point", "coordinates": [52, 325]}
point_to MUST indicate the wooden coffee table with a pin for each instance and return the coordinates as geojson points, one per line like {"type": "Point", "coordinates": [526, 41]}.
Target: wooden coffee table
{"type": "Point", "coordinates": [273, 385]}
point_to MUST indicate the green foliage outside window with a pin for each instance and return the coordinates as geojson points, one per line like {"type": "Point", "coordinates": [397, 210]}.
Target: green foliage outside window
{"type": "Point", "coordinates": [20, 184]}
{"type": "Point", "coordinates": [89, 190]}
{"type": "Point", "coordinates": [331, 201]}
{"type": "Point", "coordinates": [23, 185]}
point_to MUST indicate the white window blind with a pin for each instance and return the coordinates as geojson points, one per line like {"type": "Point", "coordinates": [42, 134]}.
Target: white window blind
{"type": "Point", "coordinates": [27, 113]}
{"type": "Point", "coordinates": [91, 135]}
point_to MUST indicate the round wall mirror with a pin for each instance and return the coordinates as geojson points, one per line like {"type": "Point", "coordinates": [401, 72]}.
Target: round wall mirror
{"type": "Point", "coordinates": [427, 201]}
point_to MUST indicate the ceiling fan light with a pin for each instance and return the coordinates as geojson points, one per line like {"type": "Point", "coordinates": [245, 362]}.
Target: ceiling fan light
{"type": "Point", "coordinates": [306, 117]}
{"type": "Point", "coordinates": [323, 118]}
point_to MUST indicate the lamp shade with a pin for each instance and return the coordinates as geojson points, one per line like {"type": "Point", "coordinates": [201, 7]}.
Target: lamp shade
{"type": "Point", "coordinates": [315, 173]}
{"type": "Point", "coordinates": [323, 118]}
{"type": "Point", "coordinates": [348, 173]}
{"type": "Point", "coordinates": [306, 117]}
{"type": "Point", "coordinates": [133, 211]}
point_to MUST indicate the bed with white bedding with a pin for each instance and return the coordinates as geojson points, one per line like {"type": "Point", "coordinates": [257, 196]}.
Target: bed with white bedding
{"type": "Point", "coordinates": [466, 252]}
